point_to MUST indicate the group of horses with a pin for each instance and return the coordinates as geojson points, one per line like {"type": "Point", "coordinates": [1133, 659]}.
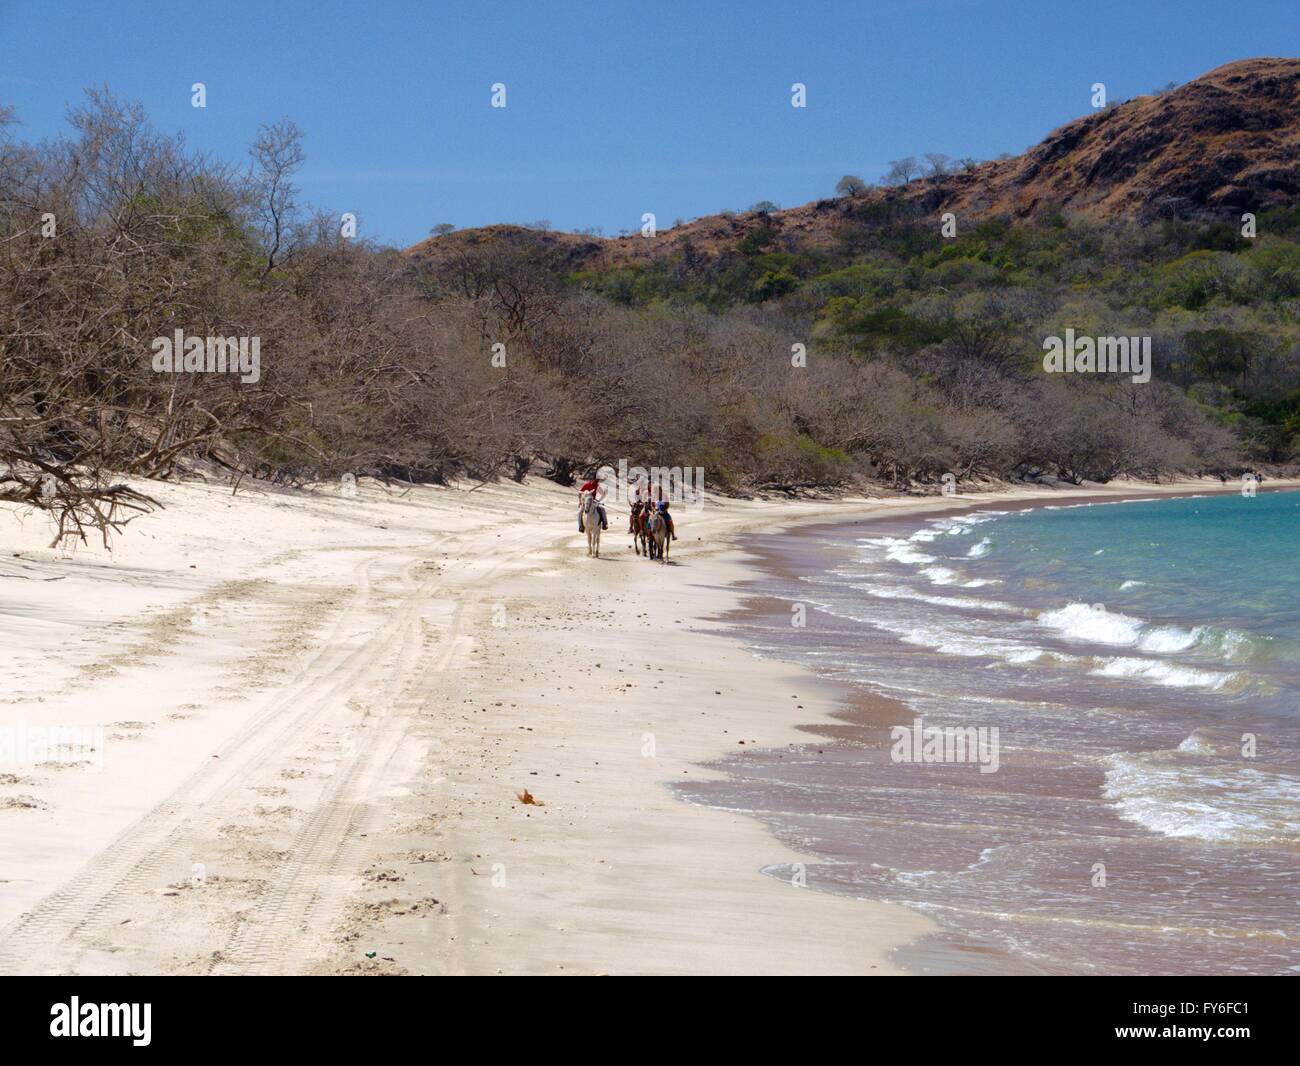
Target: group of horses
{"type": "Point", "coordinates": [649, 529]}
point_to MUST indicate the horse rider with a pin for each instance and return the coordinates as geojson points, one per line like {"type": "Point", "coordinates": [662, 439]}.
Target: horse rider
{"type": "Point", "coordinates": [653, 498]}
{"type": "Point", "coordinates": [640, 502]}
{"type": "Point", "coordinates": [593, 486]}
{"type": "Point", "coordinates": [662, 508]}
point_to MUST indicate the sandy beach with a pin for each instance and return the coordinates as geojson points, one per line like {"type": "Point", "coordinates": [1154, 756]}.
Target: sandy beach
{"type": "Point", "coordinates": [280, 732]}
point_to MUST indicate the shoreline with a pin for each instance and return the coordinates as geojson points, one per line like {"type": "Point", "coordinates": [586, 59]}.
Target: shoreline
{"type": "Point", "coordinates": [793, 681]}
{"type": "Point", "coordinates": [342, 741]}
{"type": "Point", "coordinates": [863, 706]}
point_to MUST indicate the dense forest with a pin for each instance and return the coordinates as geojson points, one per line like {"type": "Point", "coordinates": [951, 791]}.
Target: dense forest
{"type": "Point", "coordinates": [922, 354]}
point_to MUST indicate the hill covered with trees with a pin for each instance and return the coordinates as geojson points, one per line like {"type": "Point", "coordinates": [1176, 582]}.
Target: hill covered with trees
{"type": "Point", "coordinates": [862, 337]}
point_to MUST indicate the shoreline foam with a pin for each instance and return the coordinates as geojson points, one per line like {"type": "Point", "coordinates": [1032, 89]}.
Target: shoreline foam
{"type": "Point", "coordinates": [1078, 623]}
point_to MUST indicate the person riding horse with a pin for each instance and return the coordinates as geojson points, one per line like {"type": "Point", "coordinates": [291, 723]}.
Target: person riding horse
{"type": "Point", "coordinates": [648, 500]}
{"type": "Point", "coordinates": [640, 503]}
{"type": "Point", "coordinates": [662, 508]}
{"type": "Point", "coordinates": [593, 486]}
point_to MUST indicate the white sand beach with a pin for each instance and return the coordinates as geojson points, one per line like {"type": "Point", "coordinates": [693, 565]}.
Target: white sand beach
{"type": "Point", "coordinates": [282, 732]}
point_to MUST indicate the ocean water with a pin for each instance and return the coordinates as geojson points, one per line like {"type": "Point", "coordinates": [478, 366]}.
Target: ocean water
{"type": "Point", "coordinates": [1137, 810]}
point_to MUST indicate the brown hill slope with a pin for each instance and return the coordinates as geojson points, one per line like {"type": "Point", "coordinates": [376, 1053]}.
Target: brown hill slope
{"type": "Point", "coordinates": [1224, 143]}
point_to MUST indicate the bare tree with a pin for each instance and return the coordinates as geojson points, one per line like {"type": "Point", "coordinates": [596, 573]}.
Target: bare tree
{"type": "Point", "coordinates": [938, 164]}
{"type": "Point", "coordinates": [901, 171]}
{"type": "Point", "coordinates": [377, 364]}
{"type": "Point", "coordinates": [277, 155]}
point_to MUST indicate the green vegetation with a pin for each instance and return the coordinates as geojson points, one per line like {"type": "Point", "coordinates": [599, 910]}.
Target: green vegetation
{"type": "Point", "coordinates": [884, 352]}
{"type": "Point", "coordinates": [1223, 310]}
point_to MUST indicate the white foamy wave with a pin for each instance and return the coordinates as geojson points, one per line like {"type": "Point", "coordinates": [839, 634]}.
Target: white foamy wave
{"type": "Point", "coordinates": [949, 640]}
{"type": "Point", "coordinates": [900, 551]}
{"type": "Point", "coordinates": [978, 551]}
{"type": "Point", "coordinates": [1170, 638]}
{"type": "Point", "coordinates": [1131, 585]}
{"type": "Point", "coordinates": [1196, 745]}
{"type": "Point", "coordinates": [959, 525]}
{"type": "Point", "coordinates": [1162, 673]}
{"type": "Point", "coordinates": [939, 575]}
{"type": "Point", "coordinates": [1178, 797]}
{"type": "Point", "coordinates": [901, 592]}
{"type": "Point", "coordinates": [1095, 624]}
{"type": "Point", "coordinates": [1232, 644]}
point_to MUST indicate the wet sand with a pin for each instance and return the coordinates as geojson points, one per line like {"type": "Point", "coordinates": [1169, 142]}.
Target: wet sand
{"type": "Point", "coordinates": [854, 751]}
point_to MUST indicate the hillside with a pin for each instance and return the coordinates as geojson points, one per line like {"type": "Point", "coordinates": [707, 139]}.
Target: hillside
{"type": "Point", "coordinates": [842, 341]}
{"type": "Point", "coordinates": [1224, 143]}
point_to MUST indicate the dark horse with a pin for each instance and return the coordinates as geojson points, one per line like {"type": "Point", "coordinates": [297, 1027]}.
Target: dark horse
{"type": "Point", "coordinates": [640, 533]}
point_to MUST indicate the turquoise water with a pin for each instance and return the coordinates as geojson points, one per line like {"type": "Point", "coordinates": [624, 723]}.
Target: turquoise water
{"type": "Point", "coordinates": [1195, 594]}
{"type": "Point", "coordinates": [1139, 663]}
{"type": "Point", "coordinates": [1203, 593]}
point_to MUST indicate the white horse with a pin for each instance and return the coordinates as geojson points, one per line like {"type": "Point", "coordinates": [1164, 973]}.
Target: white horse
{"type": "Point", "coordinates": [591, 523]}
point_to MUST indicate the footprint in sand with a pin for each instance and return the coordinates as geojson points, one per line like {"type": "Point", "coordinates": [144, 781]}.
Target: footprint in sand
{"type": "Point", "coordinates": [22, 803]}
{"type": "Point", "coordinates": [233, 831]}
{"type": "Point", "coordinates": [177, 716]}
{"type": "Point", "coordinates": [275, 812]}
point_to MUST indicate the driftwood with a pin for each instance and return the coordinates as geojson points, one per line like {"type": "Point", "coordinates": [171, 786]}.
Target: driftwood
{"type": "Point", "coordinates": [77, 504]}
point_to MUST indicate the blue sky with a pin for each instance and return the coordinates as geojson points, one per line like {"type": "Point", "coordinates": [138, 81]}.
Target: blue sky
{"type": "Point", "coordinates": [613, 109]}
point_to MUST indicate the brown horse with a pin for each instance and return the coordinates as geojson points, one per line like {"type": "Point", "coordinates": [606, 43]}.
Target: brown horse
{"type": "Point", "coordinates": [640, 534]}
{"type": "Point", "coordinates": [658, 530]}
